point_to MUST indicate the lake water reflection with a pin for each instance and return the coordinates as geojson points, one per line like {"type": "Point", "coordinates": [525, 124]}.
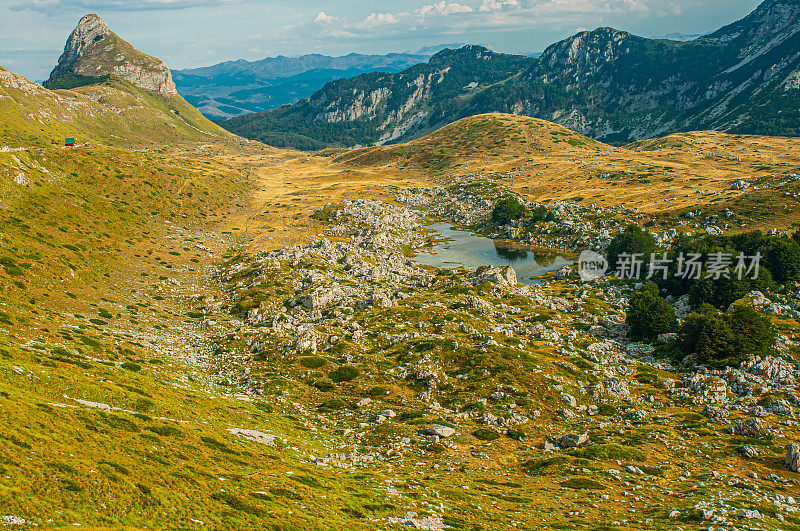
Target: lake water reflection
{"type": "Point", "coordinates": [463, 249]}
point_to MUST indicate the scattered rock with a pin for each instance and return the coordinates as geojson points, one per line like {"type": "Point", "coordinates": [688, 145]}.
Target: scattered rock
{"type": "Point", "coordinates": [748, 452]}
{"type": "Point", "coordinates": [715, 413]}
{"type": "Point", "coordinates": [792, 459]}
{"type": "Point", "coordinates": [569, 400]}
{"type": "Point", "coordinates": [669, 337]}
{"type": "Point", "coordinates": [254, 435]}
{"type": "Point", "coordinates": [753, 427]}
{"type": "Point", "coordinates": [411, 520]}
{"type": "Point", "coordinates": [573, 440]}
{"type": "Point", "coordinates": [384, 415]}
{"type": "Point", "coordinates": [440, 431]}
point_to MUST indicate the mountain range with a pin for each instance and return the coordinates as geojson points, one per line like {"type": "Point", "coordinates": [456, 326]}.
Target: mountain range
{"type": "Point", "coordinates": [238, 87]}
{"type": "Point", "coordinates": [607, 84]}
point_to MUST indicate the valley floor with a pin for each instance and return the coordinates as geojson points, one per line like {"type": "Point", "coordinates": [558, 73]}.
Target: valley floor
{"type": "Point", "coordinates": [235, 336]}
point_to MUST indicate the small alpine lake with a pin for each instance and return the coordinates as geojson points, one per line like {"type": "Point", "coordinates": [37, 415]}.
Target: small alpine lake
{"type": "Point", "coordinates": [462, 248]}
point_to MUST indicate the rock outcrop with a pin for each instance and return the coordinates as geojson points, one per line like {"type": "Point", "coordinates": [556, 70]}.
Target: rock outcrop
{"type": "Point", "coordinates": [93, 53]}
{"type": "Point", "coordinates": [792, 460]}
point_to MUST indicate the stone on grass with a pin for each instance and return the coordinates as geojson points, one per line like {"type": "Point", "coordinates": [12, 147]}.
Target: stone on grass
{"type": "Point", "coordinates": [569, 400]}
{"type": "Point", "coordinates": [792, 459]}
{"type": "Point", "coordinates": [748, 452]}
{"type": "Point", "coordinates": [750, 514]}
{"type": "Point", "coordinates": [573, 440]}
{"type": "Point", "coordinates": [753, 427]}
{"type": "Point", "coordinates": [254, 435]}
{"type": "Point", "coordinates": [440, 431]}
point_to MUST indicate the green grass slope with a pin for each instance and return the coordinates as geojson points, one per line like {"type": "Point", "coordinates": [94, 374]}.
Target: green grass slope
{"type": "Point", "coordinates": [106, 422]}
{"type": "Point", "coordinates": [112, 112]}
{"type": "Point", "coordinates": [493, 137]}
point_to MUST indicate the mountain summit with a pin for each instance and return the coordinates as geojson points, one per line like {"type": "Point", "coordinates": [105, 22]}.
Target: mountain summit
{"type": "Point", "coordinates": [93, 53]}
{"type": "Point", "coordinates": [113, 95]}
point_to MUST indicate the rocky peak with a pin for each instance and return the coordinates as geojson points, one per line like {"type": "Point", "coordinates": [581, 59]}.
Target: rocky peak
{"type": "Point", "coordinates": [464, 51]}
{"type": "Point", "coordinates": [587, 51]}
{"type": "Point", "coordinates": [770, 20]}
{"type": "Point", "coordinates": [90, 29]}
{"type": "Point", "coordinates": [93, 52]}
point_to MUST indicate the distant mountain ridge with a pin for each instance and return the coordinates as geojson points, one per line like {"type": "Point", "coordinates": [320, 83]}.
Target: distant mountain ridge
{"type": "Point", "coordinates": [232, 88]}
{"type": "Point", "coordinates": [606, 84]}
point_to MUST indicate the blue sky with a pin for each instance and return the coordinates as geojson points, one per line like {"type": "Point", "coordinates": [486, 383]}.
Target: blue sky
{"type": "Point", "coordinates": [188, 33]}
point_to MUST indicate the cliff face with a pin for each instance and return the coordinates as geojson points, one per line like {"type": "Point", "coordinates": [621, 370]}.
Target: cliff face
{"type": "Point", "coordinates": [93, 52]}
{"type": "Point", "coordinates": [624, 88]}
{"type": "Point", "coordinates": [581, 56]}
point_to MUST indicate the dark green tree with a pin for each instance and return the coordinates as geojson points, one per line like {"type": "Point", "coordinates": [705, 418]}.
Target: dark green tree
{"type": "Point", "coordinates": [753, 332]}
{"type": "Point", "coordinates": [721, 292]}
{"type": "Point", "coordinates": [727, 338]}
{"type": "Point", "coordinates": [507, 210]}
{"type": "Point", "coordinates": [540, 214]}
{"type": "Point", "coordinates": [649, 314]}
{"type": "Point", "coordinates": [782, 258]}
{"type": "Point", "coordinates": [706, 334]}
{"type": "Point", "coordinates": [632, 240]}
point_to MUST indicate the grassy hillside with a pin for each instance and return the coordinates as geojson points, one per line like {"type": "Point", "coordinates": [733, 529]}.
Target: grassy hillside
{"type": "Point", "coordinates": [664, 177]}
{"type": "Point", "coordinates": [112, 416]}
{"type": "Point", "coordinates": [112, 112]}
{"type": "Point", "coordinates": [100, 250]}
{"type": "Point", "coordinates": [165, 455]}
{"type": "Point", "coordinates": [73, 218]}
{"type": "Point", "coordinates": [499, 137]}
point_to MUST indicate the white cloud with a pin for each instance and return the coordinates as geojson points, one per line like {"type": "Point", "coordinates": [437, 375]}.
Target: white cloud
{"type": "Point", "coordinates": [342, 34]}
{"type": "Point", "coordinates": [451, 17]}
{"type": "Point", "coordinates": [443, 8]}
{"type": "Point", "coordinates": [496, 5]}
{"type": "Point", "coordinates": [377, 19]}
{"type": "Point", "coordinates": [598, 6]}
{"type": "Point", "coordinates": [34, 5]}
{"type": "Point", "coordinates": [323, 17]}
